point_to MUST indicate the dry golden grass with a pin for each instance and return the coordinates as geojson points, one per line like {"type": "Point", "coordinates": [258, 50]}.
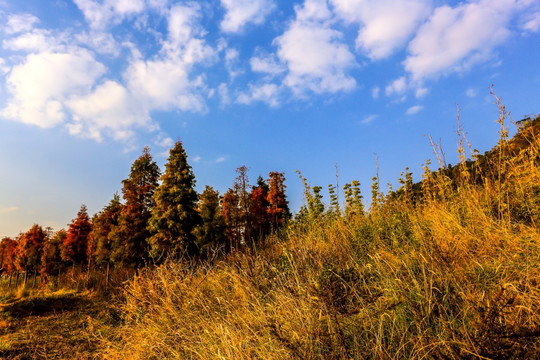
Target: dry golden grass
{"type": "Point", "coordinates": [454, 274]}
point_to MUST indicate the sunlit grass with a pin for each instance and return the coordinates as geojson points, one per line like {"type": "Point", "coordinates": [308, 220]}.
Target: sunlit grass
{"type": "Point", "coordinates": [453, 272]}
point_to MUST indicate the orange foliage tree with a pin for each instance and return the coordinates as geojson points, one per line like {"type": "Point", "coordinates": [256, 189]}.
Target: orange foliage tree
{"type": "Point", "coordinates": [278, 208]}
{"type": "Point", "coordinates": [8, 254]}
{"type": "Point", "coordinates": [30, 249]}
{"type": "Point", "coordinates": [75, 245]}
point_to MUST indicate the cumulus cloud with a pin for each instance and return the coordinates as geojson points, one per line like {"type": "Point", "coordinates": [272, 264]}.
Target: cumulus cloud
{"type": "Point", "coordinates": [455, 38]}
{"type": "Point", "coordinates": [267, 93]}
{"type": "Point", "coordinates": [41, 85]}
{"type": "Point", "coordinates": [36, 40]}
{"type": "Point", "coordinates": [101, 42]}
{"type": "Point", "coordinates": [316, 58]}
{"type": "Point", "coordinates": [385, 25]}
{"type": "Point", "coordinates": [239, 13]}
{"type": "Point", "coordinates": [100, 14]}
{"type": "Point", "coordinates": [110, 109]}
{"type": "Point", "coordinates": [396, 87]}
{"type": "Point", "coordinates": [267, 64]}
{"type": "Point", "coordinates": [58, 82]}
{"type": "Point", "coordinates": [164, 82]}
{"type": "Point", "coordinates": [20, 23]}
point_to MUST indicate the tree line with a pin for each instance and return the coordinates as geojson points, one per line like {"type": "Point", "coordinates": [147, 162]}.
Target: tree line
{"type": "Point", "coordinates": [160, 216]}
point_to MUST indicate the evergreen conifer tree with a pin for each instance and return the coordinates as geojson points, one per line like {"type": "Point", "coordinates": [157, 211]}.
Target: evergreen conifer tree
{"type": "Point", "coordinates": [211, 232]}
{"type": "Point", "coordinates": [175, 215]}
{"type": "Point", "coordinates": [128, 238]}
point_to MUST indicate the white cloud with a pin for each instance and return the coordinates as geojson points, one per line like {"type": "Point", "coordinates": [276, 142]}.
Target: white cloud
{"type": "Point", "coordinates": [421, 92]}
{"type": "Point", "coordinates": [375, 92]}
{"type": "Point", "coordinates": [184, 23]}
{"type": "Point", "coordinates": [397, 87]}
{"type": "Point", "coordinates": [531, 22]}
{"type": "Point", "coordinates": [162, 140]}
{"type": "Point", "coordinates": [100, 14]}
{"type": "Point", "coordinates": [101, 42]}
{"type": "Point", "coordinates": [316, 58]}
{"type": "Point", "coordinates": [164, 82]}
{"type": "Point", "coordinates": [59, 82]}
{"type": "Point", "coordinates": [20, 23]}
{"type": "Point", "coordinates": [471, 93]}
{"type": "Point", "coordinates": [4, 69]}
{"type": "Point", "coordinates": [36, 40]}
{"type": "Point", "coordinates": [196, 159]}
{"type": "Point", "coordinates": [110, 109]}
{"type": "Point", "coordinates": [224, 96]}
{"type": "Point", "coordinates": [266, 64]}
{"type": "Point", "coordinates": [232, 57]}
{"type": "Point", "coordinates": [414, 109]}
{"type": "Point", "coordinates": [40, 85]}
{"type": "Point", "coordinates": [239, 13]}
{"type": "Point", "coordinates": [456, 38]}
{"type": "Point", "coordinates": [221, 159]}
{"type": "Point", "coordinates": [369, 119]}
{"type": "Point", "coordinates": [267, 93]}
{"type": "Point", "coordinates": [385, 25]}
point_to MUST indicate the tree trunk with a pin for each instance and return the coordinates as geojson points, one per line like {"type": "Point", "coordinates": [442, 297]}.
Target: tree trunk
{"type": "Point", "coordinates": [34, 280]}
{"type": "Point", "coordinates": [25, 278]}
{"type": "Point", "coordinates": [107, 276]}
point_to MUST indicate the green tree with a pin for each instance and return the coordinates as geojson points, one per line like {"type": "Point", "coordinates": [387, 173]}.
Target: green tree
{"type": "Point", "coordinates": [175, 215]}
{"type": "Point", "coordinates": [51, 259]}
{"type": "Point", "coordinates": [211, 232]}
{"type": "Point", "coordinates": [128, 238]}
{"type": "Point", "coordinates": [103, 224]}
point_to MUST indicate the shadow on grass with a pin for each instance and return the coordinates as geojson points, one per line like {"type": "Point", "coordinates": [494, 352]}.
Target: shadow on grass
{"type": "Point", "coordinates": [42, 306]}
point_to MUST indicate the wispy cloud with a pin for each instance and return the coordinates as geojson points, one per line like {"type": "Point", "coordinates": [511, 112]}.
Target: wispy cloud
{"type": "Point", "coordinates": [455, 38]}
{"type": "Point", "coordinates": [369, 119]}
{"type": "Point", "coordinates": [8, 209]}
{"type": "Point", "coordinates": [414, 109]}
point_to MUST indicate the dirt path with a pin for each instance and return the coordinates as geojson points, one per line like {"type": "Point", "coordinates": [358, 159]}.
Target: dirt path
{"type": "Point", "coordinates": [56, 326]}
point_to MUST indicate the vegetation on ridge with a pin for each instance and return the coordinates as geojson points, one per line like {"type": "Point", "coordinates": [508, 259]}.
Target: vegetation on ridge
{"type": "Point", "coordinates": [447, 268]}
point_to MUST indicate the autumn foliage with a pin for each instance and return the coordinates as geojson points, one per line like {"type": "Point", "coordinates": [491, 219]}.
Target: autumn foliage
{"type": "Point", "coordinates": [161, 217]}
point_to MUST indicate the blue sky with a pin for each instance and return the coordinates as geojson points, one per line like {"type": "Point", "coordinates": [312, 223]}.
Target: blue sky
{"type": "Point", "coordinates": [271, 84]}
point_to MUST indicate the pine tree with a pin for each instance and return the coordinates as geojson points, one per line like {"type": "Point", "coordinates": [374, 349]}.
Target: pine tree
{"type": "Point", "coordinates": [211, 232]}
{"type": "Point", "coordinates": [231, 216]}
{"type": "Point", "coordinates": [175, 215]}
{"type": "Point", "coordinates": [51, 259]}
{"type": "Point", "coordinates": [103, 224]}
{"type": "Point", "coordinates": [128, 238]}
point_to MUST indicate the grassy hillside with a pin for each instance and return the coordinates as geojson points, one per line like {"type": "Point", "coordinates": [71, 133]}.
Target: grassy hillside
{"type": "Point", "coordinates": [448, 268]}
